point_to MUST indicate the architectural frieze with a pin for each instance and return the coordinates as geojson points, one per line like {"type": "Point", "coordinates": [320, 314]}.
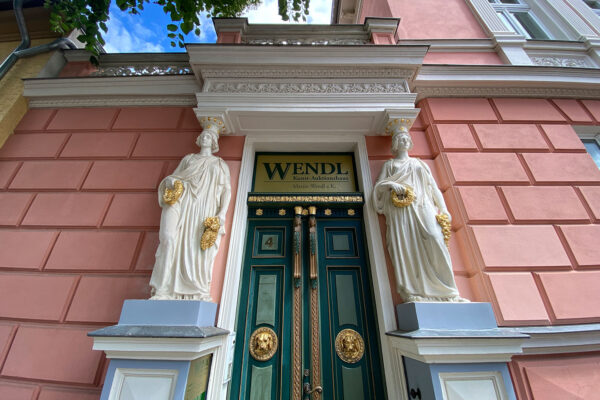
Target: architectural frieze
{"type": "Point", "coordinates": [112, 101]}
{"type": "Point", "coordinates": [556, 61]}
{"type": "Point", "coordinates": [307, 41]}
{"type": "Point", "coordinates": [304, 87]}
{"type": "Point", "coordinates": [305, 72]}
{"type": "Point", "coordinates": [142, 70]}
{"type": "Point", "coordinates": [425, 92]}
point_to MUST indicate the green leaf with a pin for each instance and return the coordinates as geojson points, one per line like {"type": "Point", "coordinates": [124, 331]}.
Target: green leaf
{"type": "Point", "coordinates": [172, 27]}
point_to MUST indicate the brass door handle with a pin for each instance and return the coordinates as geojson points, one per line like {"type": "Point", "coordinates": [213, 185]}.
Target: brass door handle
{"type": "Point", "coordinates": [308, 391]}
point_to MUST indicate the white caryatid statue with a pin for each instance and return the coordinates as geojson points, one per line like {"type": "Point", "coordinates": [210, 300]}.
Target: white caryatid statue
{"type": "Point", "coordinates": [194, 201]}
{"type": "Point", "coordinates": [418, 223]}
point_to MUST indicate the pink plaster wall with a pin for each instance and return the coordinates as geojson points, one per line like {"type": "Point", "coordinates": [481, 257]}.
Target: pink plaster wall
{"type": "Point", "coordinates": [474, 58]}
{"type": "Point", "coordinates": [524, 196]}
{"type": "Point", "coordinates": [378, 148]}
{"type": "Point", "coordinates": [519, 177]}
{"type": "Point", "coordinates": [375, 8]}
{"type": "Point", "coordinates": [525, 200]}
{"type": "Point", "coordinates": [435, 19]}
{"type": "Point", "coordinates": [78, 233]}
{"type": "Point", "coordinates": [557, 377]}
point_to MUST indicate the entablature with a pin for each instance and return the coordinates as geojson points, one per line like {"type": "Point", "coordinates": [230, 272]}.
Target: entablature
{"type": "Point", "coordinates": [305, 89]}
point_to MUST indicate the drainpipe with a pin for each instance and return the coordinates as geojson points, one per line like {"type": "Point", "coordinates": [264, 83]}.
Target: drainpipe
{"type": "Point", "coordinates": [23, 49]}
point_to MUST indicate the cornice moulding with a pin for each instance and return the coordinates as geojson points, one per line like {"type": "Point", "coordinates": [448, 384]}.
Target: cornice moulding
{"type": "Point", "coordinates": [458, 350]}
{"type": "Point", "coordinates": [554, 45]}
{"type": "Point", "coordinates": [112, 101]}
{"type": "Point", "coordinates": [157, 348]}
{"type": "Point", "coordinates": [124, 58]}
{"type": "Point", "coordinates": [111, 91]}
{"type": "Point", "coordinates": [295, 73]}
{"type": "Point", "coordinates": [366, 55]}
{"type": "Point", "coordinates": [452, 45]}
{"type": "Point", "coordinates": [304, 113]}
{"type": "Point", "coordinates": [561, 339]}
{"type": "Point", "coordinates": [512, 81]}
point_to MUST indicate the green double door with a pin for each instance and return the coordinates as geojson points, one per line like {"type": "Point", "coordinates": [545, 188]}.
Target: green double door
{"type": "Point", "coordinates": [306, 323]}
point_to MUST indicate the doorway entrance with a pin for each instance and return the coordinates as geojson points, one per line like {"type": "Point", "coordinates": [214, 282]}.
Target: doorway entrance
{"type": "Point", "coordinates": [306, 326]}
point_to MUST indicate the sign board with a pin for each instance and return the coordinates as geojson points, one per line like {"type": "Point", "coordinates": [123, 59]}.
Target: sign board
{"type": "Point", "coordinates": [197, 382]}
{"type": "Point", "coordinates": [304, 173]}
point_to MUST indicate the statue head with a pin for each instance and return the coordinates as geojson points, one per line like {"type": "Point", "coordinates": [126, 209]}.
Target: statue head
{"type": "Point", "coordinates": [211, 127]}
{"type": "Point", "coordinates": [208, 138]}
{"type": "Point", "coordinates": [401, 141]}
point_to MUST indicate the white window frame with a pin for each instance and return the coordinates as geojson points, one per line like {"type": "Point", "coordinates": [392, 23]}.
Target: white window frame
{"type": "Point", "coordinates": [588, 133]}
{"type": "Point", "coordinates": [506, 14]}
{"type": "Point", "coordinates": [594, 6]}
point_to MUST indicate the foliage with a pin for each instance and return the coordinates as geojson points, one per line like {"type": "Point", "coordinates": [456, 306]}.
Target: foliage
{"type": "Point", "coordinates": [90, 16]}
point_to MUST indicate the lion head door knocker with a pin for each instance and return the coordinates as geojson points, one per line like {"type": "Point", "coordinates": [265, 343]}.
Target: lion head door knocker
{"type": "Point", "coordinates": [263, 344]}
{"type": "Point", "coordinates": [349, 346]}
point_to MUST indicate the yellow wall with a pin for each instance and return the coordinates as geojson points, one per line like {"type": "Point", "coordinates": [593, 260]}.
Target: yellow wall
{"type": "Point", "coordinates": [13, 105]}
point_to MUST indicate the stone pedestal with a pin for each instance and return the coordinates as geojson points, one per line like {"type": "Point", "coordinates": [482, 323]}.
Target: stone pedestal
{"type": "Point", "coordinates": [454, 351]}
{"type": "Point", "coordinates": [160, 349]}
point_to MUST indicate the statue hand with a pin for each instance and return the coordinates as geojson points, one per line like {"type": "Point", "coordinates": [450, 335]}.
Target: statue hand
{"type": "Point", "coordinates": [170, 182]}
{"type": "Point", "coordinates": [399, 189]}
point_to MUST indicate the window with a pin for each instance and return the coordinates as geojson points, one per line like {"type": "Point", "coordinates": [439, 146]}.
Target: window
{"type": "Point", "coordinates": [591, 140]}
{"type": "Point", "coordinates": [518, 17]}
{"type": "Point", "coordinates": [594, 5]}
{"type": "Point", "coordinates": [593, 147]}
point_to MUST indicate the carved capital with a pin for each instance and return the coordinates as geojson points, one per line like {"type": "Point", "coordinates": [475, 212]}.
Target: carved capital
{"type": "Point", "coordinates": [398, 125]}
{"type": "Point", "coordinates": [214, 124]}
{"type": "Point", "coordinates": [398, 120]}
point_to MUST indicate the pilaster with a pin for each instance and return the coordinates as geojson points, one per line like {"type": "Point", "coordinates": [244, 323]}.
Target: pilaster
{"type": "Point", "coordinates": [161, 349]}
{"type": "Point", "coordinates": [454, 347]}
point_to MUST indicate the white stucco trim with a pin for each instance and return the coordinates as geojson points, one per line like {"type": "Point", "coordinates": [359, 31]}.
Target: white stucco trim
{"type": "Point", "coordinates": [130, 91]}
{"type": "Point", "coordinates": [164, 348]}
{"type": "Point", "coordinates": [505, 81]}
{"type": "Point", "coordinates": [382, 295]}
{"type": "Point", "coordinates": [457, 350]}
{"type": "Point", "coordinates": [561, 339]}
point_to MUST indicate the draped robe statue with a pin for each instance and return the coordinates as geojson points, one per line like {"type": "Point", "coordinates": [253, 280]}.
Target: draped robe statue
{"type": "Point", "coordinates": [414, 237]}
{"type": "Point", "coordinates": [192, 222]}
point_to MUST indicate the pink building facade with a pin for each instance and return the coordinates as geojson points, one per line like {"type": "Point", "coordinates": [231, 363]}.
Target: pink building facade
{"type": "Point", "coordinates": [503, 104]}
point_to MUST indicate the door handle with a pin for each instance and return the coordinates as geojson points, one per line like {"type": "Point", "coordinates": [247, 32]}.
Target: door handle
{"type": "Point", "coordinates": [307, 389]}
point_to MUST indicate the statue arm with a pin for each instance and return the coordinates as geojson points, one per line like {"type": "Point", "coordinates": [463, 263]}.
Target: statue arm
{"type": "Point", "coordinates": [436, 194]}
{"type": "Point", "coordinates": [168, 182]}
{"type": "Point", "coordinates": [225, 196]}
{"type": "Point", "coordinates": [382, 188]}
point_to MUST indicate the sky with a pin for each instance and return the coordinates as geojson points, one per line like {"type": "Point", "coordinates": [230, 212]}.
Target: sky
{"type": "Point", "coordinates": [147, 32]}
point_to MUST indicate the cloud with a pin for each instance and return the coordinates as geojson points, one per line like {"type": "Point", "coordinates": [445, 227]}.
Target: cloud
{"type": "Point", "coordinates": [268, 13]}
{"type": "Point", "coordinates": [319, 12]}
{"type": "Point", "coordinates": [207, 30]}
{"type": "Point", "coordinates": [147, 32]}
{"type": "Point", "coordinates": [127, 34]}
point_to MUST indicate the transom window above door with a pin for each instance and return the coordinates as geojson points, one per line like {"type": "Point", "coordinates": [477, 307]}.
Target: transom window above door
{"type": "Point", "coordinates": [518, 17]}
